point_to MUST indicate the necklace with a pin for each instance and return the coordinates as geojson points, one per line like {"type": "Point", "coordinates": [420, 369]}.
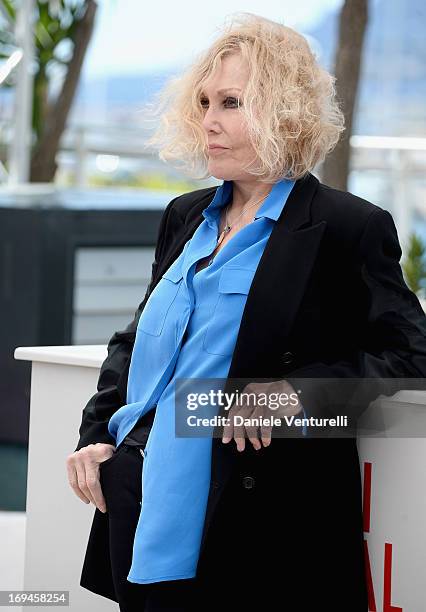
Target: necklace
{"type": "Point", "coordinates": [228, 226]}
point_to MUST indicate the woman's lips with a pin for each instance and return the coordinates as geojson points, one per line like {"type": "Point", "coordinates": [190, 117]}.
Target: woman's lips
{"type": "Point", "coordinates": [216, 150]}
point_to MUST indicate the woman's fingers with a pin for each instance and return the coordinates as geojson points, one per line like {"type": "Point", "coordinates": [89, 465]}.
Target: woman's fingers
{"type": "Point", "coordinates": [253, 436]}
{"type": "Point", "coordinates": [83, 473]}
{"type": "Point", "coordinates": [231, 430]}
{"type": "Point", "coordinates": [266, 434]}
{"type": "Point", "coordinates": [74, 476]}
{"type": "Point", "coordinates": [228, 431]}
{"type": "Point", "coordinates": [82, 482]}
{"type": "Point", "coordinates": [94, 486]}
{"type": "Point", "coordinates": [240, 431]}
{"type": "Point", "coordinates": [239, 435]}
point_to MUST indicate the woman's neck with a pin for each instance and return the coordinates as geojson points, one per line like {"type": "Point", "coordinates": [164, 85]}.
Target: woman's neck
{"type": "Point", "coordinates": [247, 193]}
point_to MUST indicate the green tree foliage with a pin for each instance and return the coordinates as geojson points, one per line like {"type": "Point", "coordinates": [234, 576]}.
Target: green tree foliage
{"type": "Point", "coordinates": [414, 265]}
{"type": "Point", "coordinates": [62, 31]}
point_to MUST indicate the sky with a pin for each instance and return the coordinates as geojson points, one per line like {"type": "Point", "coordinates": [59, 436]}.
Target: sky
{"type": "Point", "coordinates": [135, 36]}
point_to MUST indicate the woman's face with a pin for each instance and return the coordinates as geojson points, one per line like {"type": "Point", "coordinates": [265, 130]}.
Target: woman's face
{"type": "Point", "coordinates": [223, 122]}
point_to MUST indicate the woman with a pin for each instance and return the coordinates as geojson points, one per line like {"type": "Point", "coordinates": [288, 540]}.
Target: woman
{"type": "Point", "coordinates": [272, 275]}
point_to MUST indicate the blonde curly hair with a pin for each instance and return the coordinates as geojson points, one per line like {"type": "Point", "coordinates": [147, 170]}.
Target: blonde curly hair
{"type": "Point", "coordinates": [289, 104]}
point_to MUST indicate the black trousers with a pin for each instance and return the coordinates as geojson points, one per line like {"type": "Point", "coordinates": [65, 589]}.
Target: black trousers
{"type": "Point", "coordinates": [121, 482]}
{"type": "Point", "coordinates": [293, 541]}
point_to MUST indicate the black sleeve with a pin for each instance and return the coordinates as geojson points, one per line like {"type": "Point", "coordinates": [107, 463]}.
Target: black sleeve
{"type": "Point", "coordinates": [392, 353]}
{"type": "Point", "coordinates": [112, 383]}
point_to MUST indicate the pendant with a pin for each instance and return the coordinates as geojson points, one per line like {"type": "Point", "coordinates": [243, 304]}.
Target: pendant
{"type": "Point", "coordinates": [225, 230]}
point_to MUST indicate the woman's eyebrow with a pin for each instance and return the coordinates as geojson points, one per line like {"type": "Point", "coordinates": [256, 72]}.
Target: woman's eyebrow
{"type": "Point", "coordinates": [221, 91]}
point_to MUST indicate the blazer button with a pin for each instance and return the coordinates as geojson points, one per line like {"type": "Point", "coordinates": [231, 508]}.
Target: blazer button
{"type": "Point", "coordinates": [248, 482]}
{"type": "Point", "coordinates": [287, 357]}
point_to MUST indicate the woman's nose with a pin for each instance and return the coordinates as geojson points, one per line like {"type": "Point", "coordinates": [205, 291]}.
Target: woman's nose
{"type": "Point", "coordinates": [210, 120]}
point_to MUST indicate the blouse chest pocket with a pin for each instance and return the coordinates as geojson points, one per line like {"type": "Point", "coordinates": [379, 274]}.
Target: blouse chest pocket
{"type": "Point", "coordinates": [222, 329]}
{"type": "Point", "coordinates": [154, 314]}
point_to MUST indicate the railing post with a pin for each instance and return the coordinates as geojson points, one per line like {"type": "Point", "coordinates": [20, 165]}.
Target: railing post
{"type": "Point", "coordinates": [80, 158]}
{"type": "Point", "coordinates": [402, 206]}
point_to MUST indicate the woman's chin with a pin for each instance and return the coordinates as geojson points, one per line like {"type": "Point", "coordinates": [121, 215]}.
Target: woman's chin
{"type": "Point", "coordinates": [219, 171]}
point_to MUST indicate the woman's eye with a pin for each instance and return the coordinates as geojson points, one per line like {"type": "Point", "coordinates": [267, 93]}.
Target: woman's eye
{"type": "Point", "coordinates": [235, 103]}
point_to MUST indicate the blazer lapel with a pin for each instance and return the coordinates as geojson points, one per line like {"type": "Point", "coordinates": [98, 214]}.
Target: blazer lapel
{"type": "Point", "coordinates": [193, 220]}
{"type": "Point", "coordinates": [278, 285]}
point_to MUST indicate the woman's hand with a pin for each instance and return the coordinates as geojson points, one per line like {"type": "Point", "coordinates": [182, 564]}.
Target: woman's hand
{"type": "Point", "coordinates": [83, 472]}
{"type": "Point", "coordinates": [280, 392]}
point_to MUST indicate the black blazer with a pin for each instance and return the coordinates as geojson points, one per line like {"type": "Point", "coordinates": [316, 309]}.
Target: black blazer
{"type": "Point", "coordinates": [330, 289]}
{"type": "Point", "coordinates": [334, 304]}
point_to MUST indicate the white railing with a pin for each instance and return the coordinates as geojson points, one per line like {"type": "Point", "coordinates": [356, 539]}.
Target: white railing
{"type": "Point", "coordinates": [402, 160]}
{"type": "Point", "coordinates": [388, 171]}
